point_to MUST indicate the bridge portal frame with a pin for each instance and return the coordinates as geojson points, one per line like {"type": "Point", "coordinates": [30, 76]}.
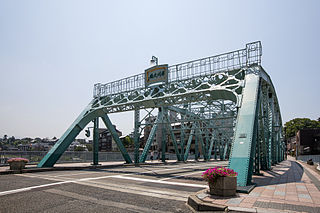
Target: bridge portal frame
{"type": "Point", "coordinates": [194, 90]}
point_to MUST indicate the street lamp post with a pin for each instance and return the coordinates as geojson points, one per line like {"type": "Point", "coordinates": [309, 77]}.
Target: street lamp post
{"type": "Point", "coordinates": [154, 60]}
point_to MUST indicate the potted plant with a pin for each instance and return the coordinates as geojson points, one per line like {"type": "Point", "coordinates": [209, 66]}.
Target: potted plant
{"type": "Point", "coordinates": [222, 181]}
{"type": "Point", "coordinates": [17, 163]}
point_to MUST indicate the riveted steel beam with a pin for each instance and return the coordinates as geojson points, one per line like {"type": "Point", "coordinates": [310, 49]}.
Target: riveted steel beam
{"type": "Point", "coordinates": [241, 156]}
{"type": "Point", "coordinates": [150, 138]}
{"type": "Point", "coordinates": [116, 138]}
{"type": "Point", "coordinates": [189, 143]}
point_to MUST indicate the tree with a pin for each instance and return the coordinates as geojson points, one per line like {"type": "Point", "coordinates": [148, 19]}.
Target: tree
{"type": "Point", "coordinates": [293, 126]}
{"type": "Point", "coordinates": [11, 140]}
{"type": "Point", "coordinates": [128, 141]}
{"type": "Point", "coordinates": [89, 147]}
{"type": "Point", "coordinates": [79, 149]}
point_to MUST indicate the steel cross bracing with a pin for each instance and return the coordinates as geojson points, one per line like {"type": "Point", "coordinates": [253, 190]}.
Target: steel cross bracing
{"type": "Point", "coordinates": [225, 107]}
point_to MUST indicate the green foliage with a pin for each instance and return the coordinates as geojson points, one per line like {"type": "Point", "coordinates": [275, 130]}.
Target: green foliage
{"type": "Point", "coordinates": [79, 148]}
{"type": "Point", "coordinates": [128, 141]}
{"type": "Point", "coordinates": [35, 159]}
{"type": "Point", "coordinates": [293, 126]}
{"type": "Point", "coordinates": [89, 147]}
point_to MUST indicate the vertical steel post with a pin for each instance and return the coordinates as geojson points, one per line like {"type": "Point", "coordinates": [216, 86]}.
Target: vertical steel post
{"type": "Point", "coordinates": [182, 137]}
{"type": "Point", "coordinates": [207, 144]}
{"type": "Point", "coordinates": [225, 149]}
{"type": "Point", "coordinates": [116, 138]}
{"type": "Point", "coordinates": [174, 141]}
{"type": "Point", "coordinates": [164, 133]}
{"type": "Point", "coordinates": [145, 151]}
{"type": "Point", "coordinates": [186, 154]}
{"type": "Point", "coordinates": [136, 135]}
{"type": "Point", "coordinates": [211, 145]}
{"type": "Point", "coordinates": [202, 145]}
{"type": "Point", "coordinates": [215, 148]}
{"type": "Point", "coordinates": [196, 146]}
{"type": "Point", "coordinates": [95, 141]}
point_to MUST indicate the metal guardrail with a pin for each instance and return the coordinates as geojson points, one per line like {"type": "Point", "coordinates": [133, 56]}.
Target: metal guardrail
{"type": "Point", "coordinates": [305, 158]}
{"type": "Point", "coordinates": [69, 157]}
{"type": "Point", "coordinates": [201, 67]}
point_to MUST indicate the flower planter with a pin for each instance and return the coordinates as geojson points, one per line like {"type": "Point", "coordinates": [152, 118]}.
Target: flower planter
{"type": "Point", "coordinates": [223, 186]}
{"type": "Point", "coordinates": [17, 165]}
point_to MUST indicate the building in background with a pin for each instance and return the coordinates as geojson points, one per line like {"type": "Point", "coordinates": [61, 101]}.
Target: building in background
{"type": "Point", "coordinates": [106, 142]}
{"type": "Point", "coordinates": [291, 145]}
{"type": "Point", "coordinates": [308, 141]}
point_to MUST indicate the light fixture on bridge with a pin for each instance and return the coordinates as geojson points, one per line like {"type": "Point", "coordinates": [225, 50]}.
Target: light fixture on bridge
{"type": "Point", "coordinates": [154, 61]}
{"type": "Point", "coordinates": [87, 132]}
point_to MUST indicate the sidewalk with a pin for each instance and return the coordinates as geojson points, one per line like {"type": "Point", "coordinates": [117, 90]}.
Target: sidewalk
{"type": "Point", "coordinates": [289, 187]}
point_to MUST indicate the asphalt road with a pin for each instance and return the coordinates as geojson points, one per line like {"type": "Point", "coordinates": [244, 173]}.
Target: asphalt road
{"type": "Point", "coordinates": [148, 188]}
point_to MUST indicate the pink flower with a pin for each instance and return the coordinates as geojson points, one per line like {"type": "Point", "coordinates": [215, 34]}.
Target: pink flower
{"type": "Point", "coordinates": [211, 174]}
{"type": "Point", "coordinates": [18, 160]}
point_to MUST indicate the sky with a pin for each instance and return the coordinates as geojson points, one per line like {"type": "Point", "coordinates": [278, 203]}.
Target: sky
{"type": "Point", "coordinates": [53, 52]}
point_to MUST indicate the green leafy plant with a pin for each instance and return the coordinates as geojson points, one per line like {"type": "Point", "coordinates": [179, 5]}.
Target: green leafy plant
{"type": "Point", "coordinates": [211, 174]}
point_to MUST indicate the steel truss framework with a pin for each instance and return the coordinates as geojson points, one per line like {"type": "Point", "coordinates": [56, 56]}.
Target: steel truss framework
{"type": "Point", "coordinates": [226, 106]}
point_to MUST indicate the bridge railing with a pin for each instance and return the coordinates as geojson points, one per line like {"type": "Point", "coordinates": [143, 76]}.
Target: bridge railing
{"type": "Point", "coordinates": [70, 156]}
{"type": "Point", "coordinates": [201, 67]}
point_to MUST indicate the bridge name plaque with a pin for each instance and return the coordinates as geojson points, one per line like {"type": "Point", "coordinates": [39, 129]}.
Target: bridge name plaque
{"type": "Point", "coordinates": [156, 74]}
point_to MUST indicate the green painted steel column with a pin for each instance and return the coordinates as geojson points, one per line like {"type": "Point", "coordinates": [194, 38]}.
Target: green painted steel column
{"type": "Point", "coordinates": [136, 135]}
{"type": "Point", "coordinates": [256, 168]}
{"type": "Point", "coordinates": [196, 146]}
{"type": "Point", "coordinates": [186, 154]}
{"type": "Point", "coordinates": [202, 145]}
{"type": "Point", "coordinates": [244, 142]}
{"type": "Point", "coordinates": [225, 150]}
{"type": "Point", "coordinates": [150, 138]}
{"type": "Point", "coordinates": [215, 148]}
{"type": "Point", "coordinates": [95, 141]}
{"type": "Point", "coordinates": [182, 138]}
{"type": "Point", "coordinates": [163, 134]}
{"type": "Point", "coordinates": [174, 141]}
{"type": "Point", "coordinates": [66, 139]}
{"type": "Point", "coordinates": [207, 144]}
{"type": "Point", "coordinates": [116, 138]}
{"type": "Point", "coordinates": [211, 145]}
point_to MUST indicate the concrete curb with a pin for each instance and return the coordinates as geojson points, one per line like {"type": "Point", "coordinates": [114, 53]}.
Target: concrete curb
{"type": "Point", "coordinates": [197, 203]}
{"type": "Point", "coordinates": [307, 170]}
{"type": "Point", "coordinates": [200, 205]}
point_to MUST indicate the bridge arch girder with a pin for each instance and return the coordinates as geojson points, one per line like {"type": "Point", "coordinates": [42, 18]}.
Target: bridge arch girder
{"type": "Point", "coordinates": [257, 137]}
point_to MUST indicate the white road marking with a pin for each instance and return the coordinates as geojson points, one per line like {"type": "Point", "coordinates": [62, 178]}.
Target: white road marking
{"type": "Point", "coordinates": [111, 176]}
{"type": "Point", "coordinates": [50, 184]}
{"type": "Point", "coordinates": [160, 181]}
{"type": "Point", "coordinates": [141, 190]}
{"type": "Point", "coordinates": [188, 174]}
{"type": "Point", "coordinates": [137, 173]}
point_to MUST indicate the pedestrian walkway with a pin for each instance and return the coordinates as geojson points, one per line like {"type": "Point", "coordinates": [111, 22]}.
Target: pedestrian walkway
{"type": "Point", "coordinates": [289, 187]}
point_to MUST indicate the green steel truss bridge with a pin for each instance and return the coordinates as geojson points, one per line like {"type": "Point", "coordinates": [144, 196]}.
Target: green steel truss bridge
{"type": "Point", "coordinates": [225, 105]}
